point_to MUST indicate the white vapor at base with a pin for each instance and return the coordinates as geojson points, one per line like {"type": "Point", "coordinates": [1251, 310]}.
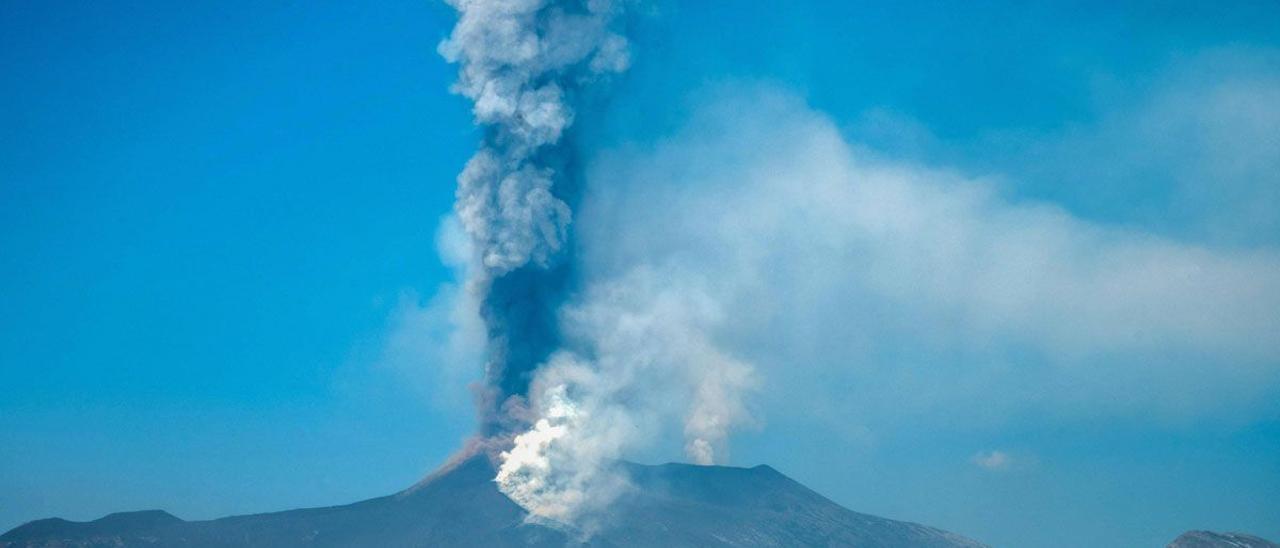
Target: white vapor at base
{"type": "Point", "coordinates": [643, 359]}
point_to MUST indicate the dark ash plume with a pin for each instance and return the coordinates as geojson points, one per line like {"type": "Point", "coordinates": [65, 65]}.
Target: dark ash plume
{"type": "Point", "coordinates": [521, 62]}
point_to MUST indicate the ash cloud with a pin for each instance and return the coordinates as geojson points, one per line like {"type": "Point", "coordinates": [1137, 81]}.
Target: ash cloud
{"type": "Point", "coordinates": [760, 247]}
{"type": "Point", "coordinates": [520, 62]}
{"type": "Point", "coordinates": [550, 404]}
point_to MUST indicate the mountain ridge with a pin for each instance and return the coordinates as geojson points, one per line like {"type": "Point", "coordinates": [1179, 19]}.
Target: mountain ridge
{"type": "Point", "coordinates": [672, 505]}
{"type": "Point", "coordinates": [1212, 539]}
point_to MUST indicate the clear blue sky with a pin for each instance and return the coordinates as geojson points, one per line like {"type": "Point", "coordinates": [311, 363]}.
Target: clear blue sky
{"type": "Point", "coordinates": [211, 213]}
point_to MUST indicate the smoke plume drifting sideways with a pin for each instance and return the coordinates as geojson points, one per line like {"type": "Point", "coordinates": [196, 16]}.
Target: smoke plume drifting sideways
{"type": "Point", "coordinates": [872, 293]}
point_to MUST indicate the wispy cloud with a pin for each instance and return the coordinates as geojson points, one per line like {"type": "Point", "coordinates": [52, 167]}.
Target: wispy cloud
{"type": "Point", "coordinates": [901, 292]}
{"type": "Point", "coordinates": [993, 460]}
{"type": "Point", "coordinates": [436, 346]}
{"type": "Point", "coordinates": [1191, 151]}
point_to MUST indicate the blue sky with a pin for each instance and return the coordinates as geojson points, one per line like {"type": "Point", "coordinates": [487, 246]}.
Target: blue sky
{"type": "Point", "coordinates": [214, 219]}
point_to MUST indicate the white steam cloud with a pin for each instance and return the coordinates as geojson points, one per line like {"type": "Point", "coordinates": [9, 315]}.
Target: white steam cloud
{"type": "Point", "coordinates": [642, 360]}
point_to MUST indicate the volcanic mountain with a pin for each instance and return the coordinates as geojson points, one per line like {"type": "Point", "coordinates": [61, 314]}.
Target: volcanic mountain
{"type": "Point", "coordinates": [672, 505]}
{"type": "Point", "coordinates": [1210, 539]}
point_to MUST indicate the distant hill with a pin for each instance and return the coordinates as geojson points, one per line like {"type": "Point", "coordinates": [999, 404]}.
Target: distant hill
{"type": "Point", "coordinates": [674, 505]}
{"type": "Point", "coordinates": [1210, 539]}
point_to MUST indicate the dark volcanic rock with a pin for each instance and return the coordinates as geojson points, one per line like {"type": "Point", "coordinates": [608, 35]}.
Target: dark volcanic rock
{"type": "Point", "coordinates": [1210, 539]}
{"type": "Point", "coordinates": [683, 505]}
{"type": "Point", "coordinates": [673, 505]}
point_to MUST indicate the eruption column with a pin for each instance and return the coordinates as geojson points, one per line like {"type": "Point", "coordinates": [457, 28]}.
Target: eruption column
{"type": "Point", "coordinates": [522, 62]}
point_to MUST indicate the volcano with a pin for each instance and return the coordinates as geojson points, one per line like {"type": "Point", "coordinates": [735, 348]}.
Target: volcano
{"type": "Point", "coordinates": [672, 505]}
{"type": "Point", "coordinates": [1211, 539]}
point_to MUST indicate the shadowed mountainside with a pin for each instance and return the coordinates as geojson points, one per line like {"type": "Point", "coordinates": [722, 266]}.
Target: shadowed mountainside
{"type": "Point", "coordinates": [672, 505]}
{"type": "Point", "coordinates": [1210, 539]}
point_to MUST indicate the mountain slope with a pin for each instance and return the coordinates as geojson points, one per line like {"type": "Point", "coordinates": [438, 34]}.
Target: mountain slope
{"type": "Point", "coordinates": [685, 505]}
{"type": "Point", "coordinates": [673, 505]}
{"type": "Point", "coordinates": [1210, 539]}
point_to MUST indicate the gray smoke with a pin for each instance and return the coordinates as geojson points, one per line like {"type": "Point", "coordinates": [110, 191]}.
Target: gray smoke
{"type": "Point", "coordinates": [521, 63]}
{"type": "Point", "coordinates": [519, 59]}
{"type": "Point", "coordinates": [828, 260]}
{"type": "Point", "coordinates": [577, 373]}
